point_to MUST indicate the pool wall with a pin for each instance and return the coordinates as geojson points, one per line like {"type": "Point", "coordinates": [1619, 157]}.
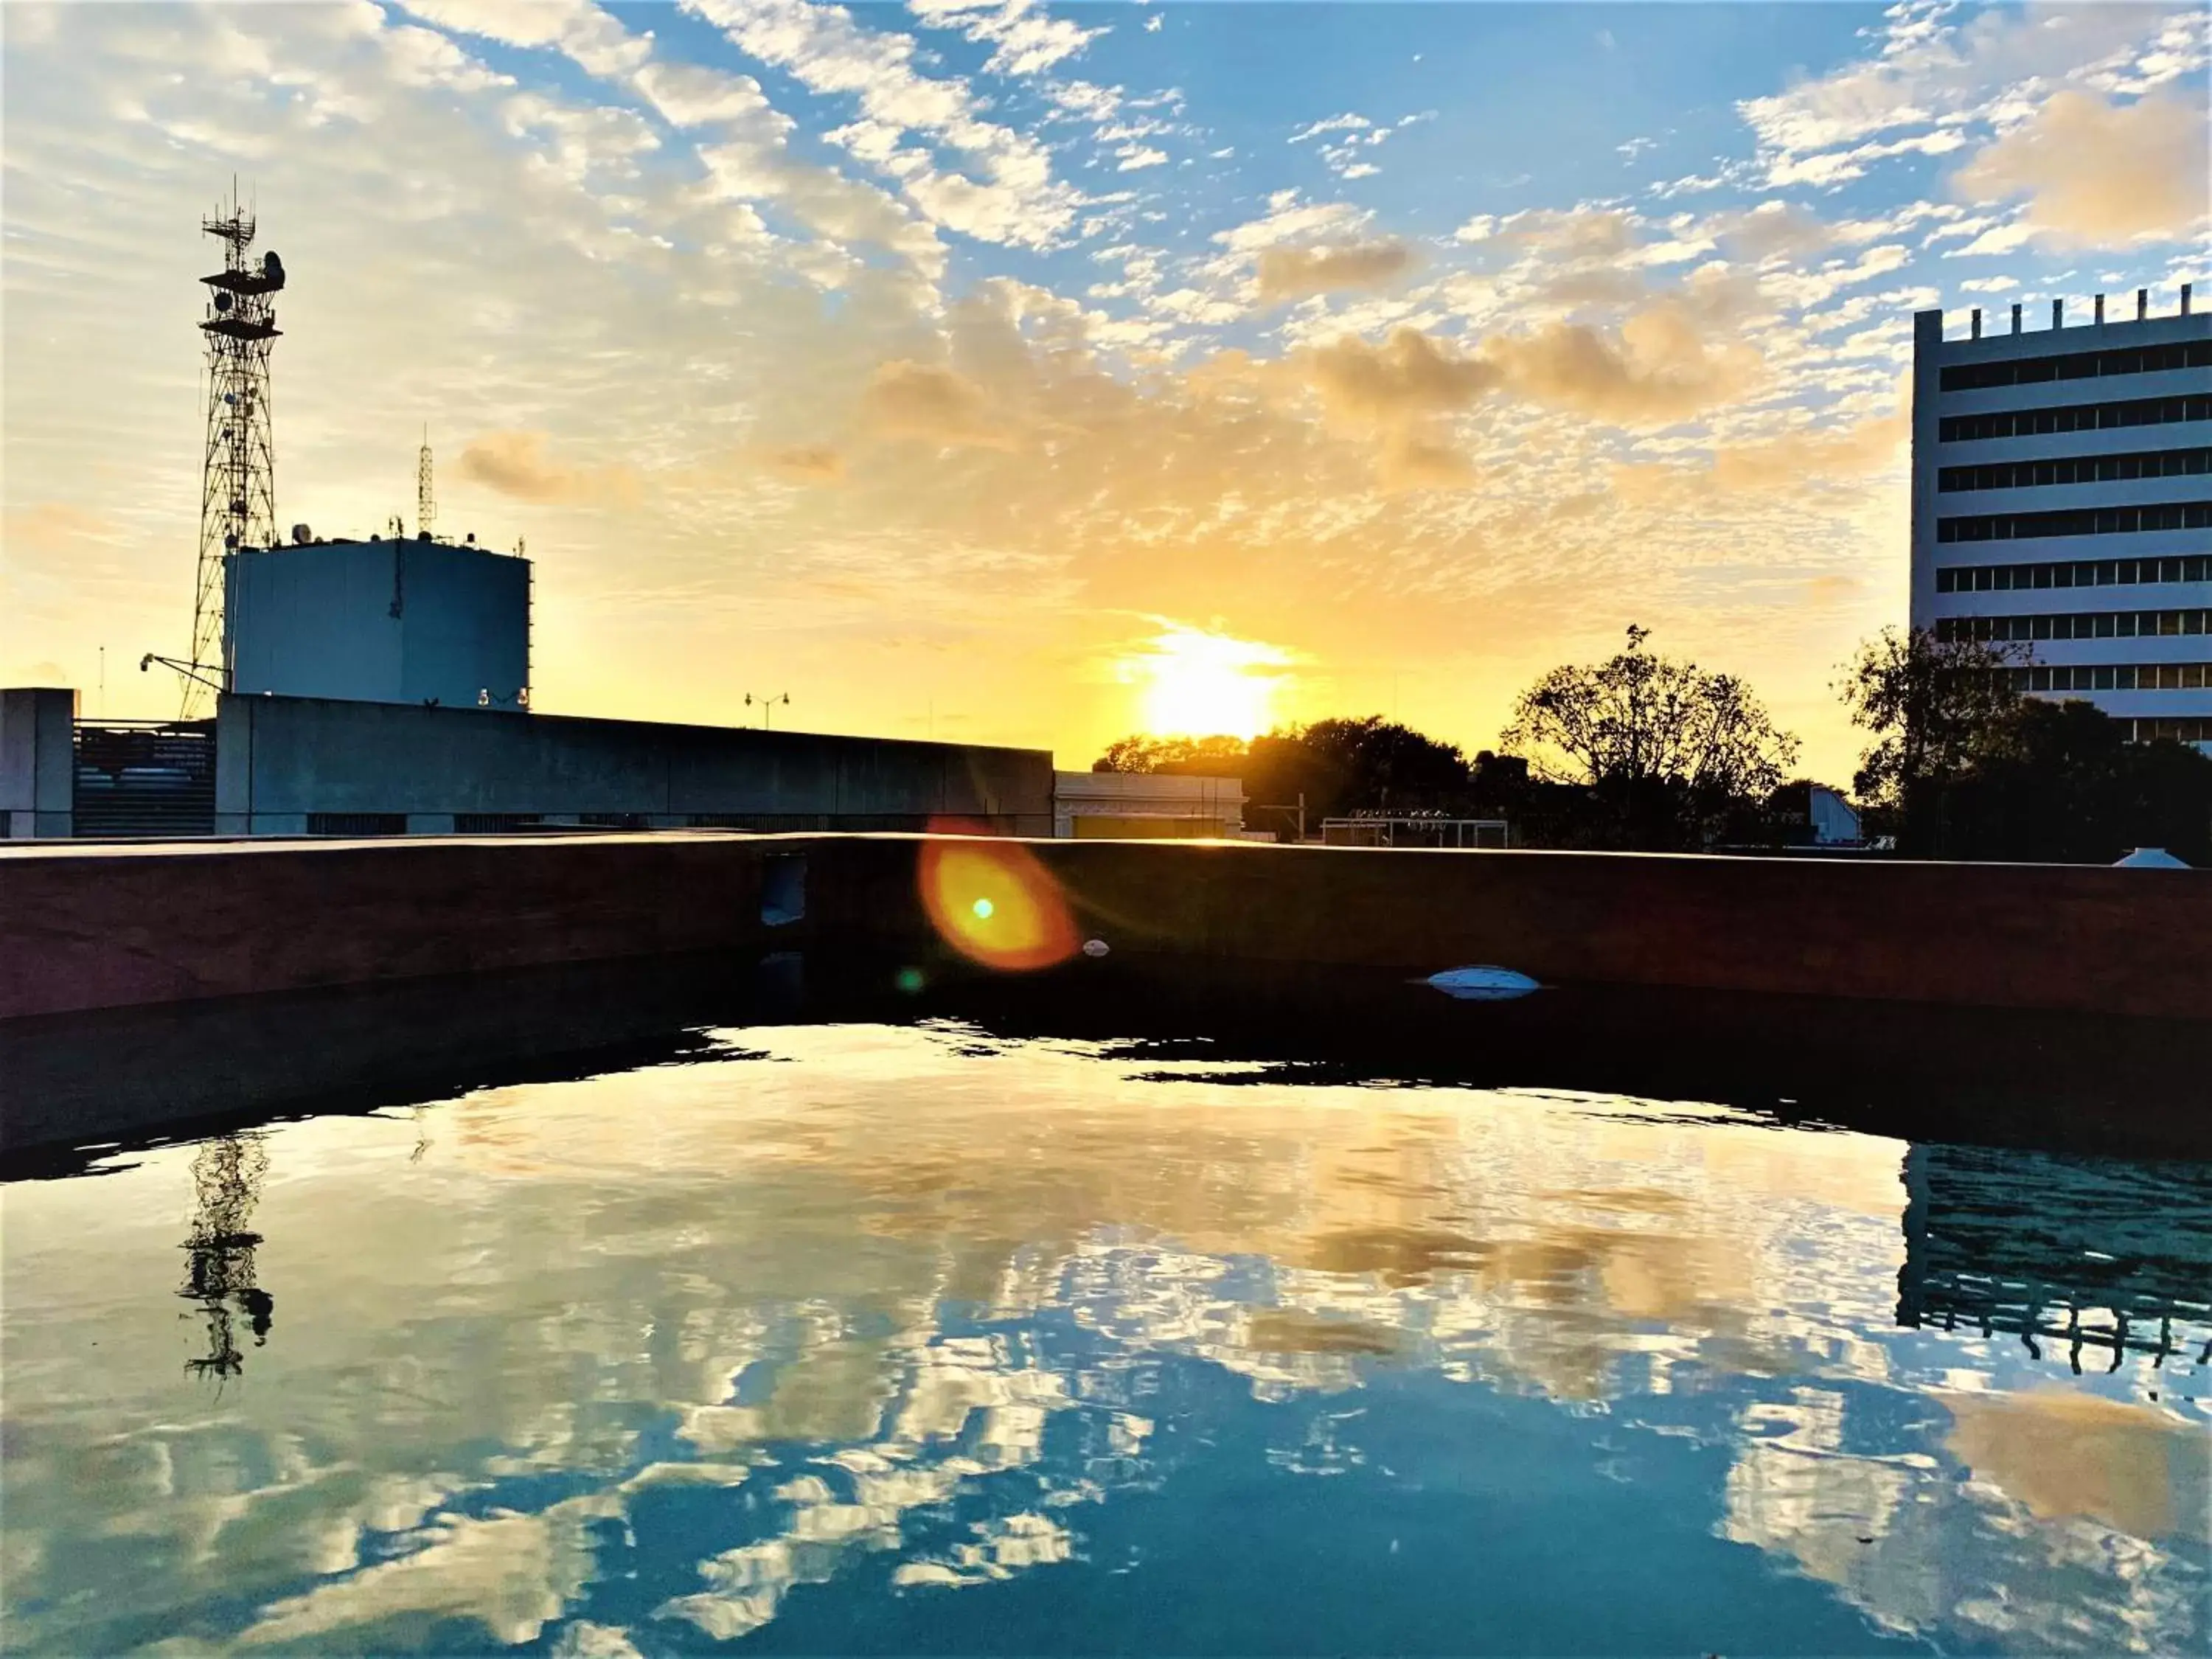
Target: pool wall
{"type": "Point", "coordinates": [87, 927]}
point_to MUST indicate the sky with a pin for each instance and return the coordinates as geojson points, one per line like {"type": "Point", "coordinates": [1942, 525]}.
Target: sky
{"type": "Point", "coordinates": [1029, 374]}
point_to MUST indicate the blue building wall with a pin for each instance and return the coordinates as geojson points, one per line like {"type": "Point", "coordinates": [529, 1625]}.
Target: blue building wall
{"type": "Point", "coordinates": [398, 621]}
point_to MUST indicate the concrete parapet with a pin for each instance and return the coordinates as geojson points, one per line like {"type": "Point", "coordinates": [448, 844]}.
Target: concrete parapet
{"type": "Point", "coordinates": [88, 927]}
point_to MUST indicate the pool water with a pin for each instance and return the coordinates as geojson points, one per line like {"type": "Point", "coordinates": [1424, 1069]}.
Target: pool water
{"type": "Point", "coordinates": [910, 1338]}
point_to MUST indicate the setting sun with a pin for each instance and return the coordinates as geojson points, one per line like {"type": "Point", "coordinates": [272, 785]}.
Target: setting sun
{"type": "Point", "coordinates": [1201, 684]}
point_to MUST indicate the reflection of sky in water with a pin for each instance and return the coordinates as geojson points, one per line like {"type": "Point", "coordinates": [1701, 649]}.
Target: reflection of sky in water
{"type": "Point", "coordinates": [906, 1339]}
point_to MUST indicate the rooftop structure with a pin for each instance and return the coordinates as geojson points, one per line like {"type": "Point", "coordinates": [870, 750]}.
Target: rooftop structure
{"type": "Point", "coordinates": [2062, 505]}
{"type": "Point", "coordinates": [386, 620]}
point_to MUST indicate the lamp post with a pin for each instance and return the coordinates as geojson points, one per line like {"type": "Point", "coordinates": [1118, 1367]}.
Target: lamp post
{"type": "Point", "coordinates": [766, 704]}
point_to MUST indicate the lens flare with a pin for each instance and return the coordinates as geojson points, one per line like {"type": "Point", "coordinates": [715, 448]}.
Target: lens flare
{"type": "Point", "coordinates": [993, 902]}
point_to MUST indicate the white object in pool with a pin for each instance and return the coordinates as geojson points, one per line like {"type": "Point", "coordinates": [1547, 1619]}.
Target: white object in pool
{"type": "Point", "coordinates": [1483, 984]}
{"type": "Point", "coordinates": [2151, 858]}
{"type": "Point", "coordinates": [1095, 948]}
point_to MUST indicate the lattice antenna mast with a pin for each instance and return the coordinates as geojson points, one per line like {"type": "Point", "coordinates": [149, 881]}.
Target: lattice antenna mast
{"type": "Point", "coordinates": [426, 502]}
{"type": "Point", "coordinates": [238, 475]}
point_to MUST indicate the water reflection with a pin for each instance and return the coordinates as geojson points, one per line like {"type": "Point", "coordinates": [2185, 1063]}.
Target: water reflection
{"type": "Point", "coordinates": [219, 1272]}
{"type": "Point", "coordinates": [876, 1339]}
{"type": "Point", "coordinates": [2105, 1257]}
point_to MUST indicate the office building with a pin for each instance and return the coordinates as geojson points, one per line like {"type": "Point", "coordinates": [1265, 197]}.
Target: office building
{"type": "Point", "coordinates": [2062, 505]}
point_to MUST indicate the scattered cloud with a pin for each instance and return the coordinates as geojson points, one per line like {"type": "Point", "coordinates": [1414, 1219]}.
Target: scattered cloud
{"type": "Point", "coordinates": [2100, 174]}
{"type": "Point", "coordinates": [1293, 273]}
{"type": "Point", "coordinates": [934, 404]}
{"type": "Point", "coordinates": [516, 464]}
{"type": "Point", "coordinates": [1668, 361]}
{"type": "Point", "coordinates": [805, 463]}
{"type": "Point", "coordinates": [1407, 376]}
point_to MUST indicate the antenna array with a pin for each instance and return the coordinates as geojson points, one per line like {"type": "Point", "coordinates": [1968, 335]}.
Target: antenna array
{"type": "Point", "coordinates": [238, 475]}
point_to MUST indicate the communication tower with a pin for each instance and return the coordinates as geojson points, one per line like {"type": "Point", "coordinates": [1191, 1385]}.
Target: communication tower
{"type": "Point", "coordinates": [426, 504]}
{"type": "Point", "coordinates": [238, 478]}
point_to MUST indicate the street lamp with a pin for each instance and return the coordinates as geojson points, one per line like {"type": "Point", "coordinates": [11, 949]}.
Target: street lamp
{"type": "Point", "coordinates": [766, 704]}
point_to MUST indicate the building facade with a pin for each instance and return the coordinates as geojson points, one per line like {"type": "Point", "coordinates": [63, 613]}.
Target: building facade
{"type": "Point", "coordinates": [2062, 505]}
{"type": "Point", "coordinates": [1146, 806]}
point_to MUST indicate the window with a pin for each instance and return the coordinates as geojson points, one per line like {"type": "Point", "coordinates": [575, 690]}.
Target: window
{"type": "Point", "coordinates": [2078, 366]}
{"type": "Point", "coordinates": [2076, 521]}
{"type": "Point", "coordinates": [2112, 676]}
{"type": "Point", "coordinates": [2076, 470]}
{"type": "Point", "coordinates": [2085, 573]}
{"type": "Point", "coordinates": [2077, 417]}
{"type": "Point", "coordinates": [2074, 625]}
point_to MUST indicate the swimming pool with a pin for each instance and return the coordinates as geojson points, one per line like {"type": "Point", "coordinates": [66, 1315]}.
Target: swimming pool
{"type": "Point", "coordinates": [926, 1335]}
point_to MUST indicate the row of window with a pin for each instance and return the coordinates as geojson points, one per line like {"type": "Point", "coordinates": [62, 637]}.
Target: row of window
{"type": "Point", "coordinates": [2181, 730]}
{"type": "Point", "coordinates": [2075, 417]}
{"type": "Point", "coordinates": [2114, 676]}
{"type": "Point", "coordinates": [2076, 521]}
{"type": "Point", "coordinates": [2071, 573]}
{"type": "Point", "coordinates": [2075, 470]}
{"type": "Point", "coordinates": [2082, 625]}
{"type": "Point", "coordinates": [2078, 366]}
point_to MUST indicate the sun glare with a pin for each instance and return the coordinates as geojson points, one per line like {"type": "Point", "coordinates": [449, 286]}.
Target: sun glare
{"type": "Point", "coordinates": [1201, 684]}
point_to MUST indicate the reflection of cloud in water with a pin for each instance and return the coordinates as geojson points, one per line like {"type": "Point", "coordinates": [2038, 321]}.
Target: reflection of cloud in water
{"type": "Point", "coordinates": [917, 1281]}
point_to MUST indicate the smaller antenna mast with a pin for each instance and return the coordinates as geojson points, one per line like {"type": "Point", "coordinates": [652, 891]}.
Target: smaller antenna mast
{"type": "Point", "coordinates": [426, 503]}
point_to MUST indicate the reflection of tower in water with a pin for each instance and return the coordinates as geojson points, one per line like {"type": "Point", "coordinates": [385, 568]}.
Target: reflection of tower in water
{"type": "Point", "coordinates": [219, 1267]}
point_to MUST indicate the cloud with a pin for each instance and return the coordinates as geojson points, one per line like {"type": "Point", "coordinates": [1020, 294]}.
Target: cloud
{"type": "Point", "coordinates": [1026, 40]}
{"type": "Point", "coordinates": [1928, 71]}
{"type": "Point", "coordinates": [937, 405]}
{"type": "Point", "coordinates": [1797, 458]}
{"type": "Point", "coordinates": [1406, 461]}
{"type": "Point", "coordinates": [1292, 273]}
{"type": "Point", "coordinates": [1569, 233]}
{"type": "Point", "coordinates": [54, 524]}
{"type": "Point", "coordinates": [592, 38]}
{"type": "Point", "coordinates": [2100, 174]}
{"type": "Point", "coordinates": [1289, 220]}
{"type": "Point", "coordinates": [515, 464]}
{"type": "Point", "coordinates": [805, 463]}
{"type": "Point", "coordinates": [1772, 228]}
{"type": "Point", "coordinates": [1017, 202]}
{"type": "Point", "coordinates": [1661, 369]}
{"type": "Point", "coordinates": [1408, 376]}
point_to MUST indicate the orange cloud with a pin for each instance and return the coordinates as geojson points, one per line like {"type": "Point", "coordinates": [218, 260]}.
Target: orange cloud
{"type": "Point", "coordinates": [2097, 175]}
{"type": "Point", "coordinates": [55, 524]}
{"type": "Point", "coordinates": [1409, 462]}
{"type": "Point", "coordinates": [516, 464]}
{"type": "Point", "coordinates": [1408, 375]}
{"type": "Point", "coordinates": [1292, 273]}
{"type": "Point", "coordinates": [906, 399]}
{"type": "Point", "coordinates": [1661, 369]}
{"type": "Point", "coordinates": [805, 463]}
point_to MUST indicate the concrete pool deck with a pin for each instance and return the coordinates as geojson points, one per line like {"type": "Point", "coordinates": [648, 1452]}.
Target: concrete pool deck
{"type": "Point", "coordinates": [92, 927]}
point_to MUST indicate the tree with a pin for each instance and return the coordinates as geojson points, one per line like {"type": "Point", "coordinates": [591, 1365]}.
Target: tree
{"type": "Point", "coordinates": [1934, 708]}
{"type": "Point", "coordinates": [1669, 753]}
{"type": "Point", "coordinates": [1200, 756]}
{"type": "Point", "coordinates": [1965, 766]}
{"type": "Point", "coordinates": [1339, 765]}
